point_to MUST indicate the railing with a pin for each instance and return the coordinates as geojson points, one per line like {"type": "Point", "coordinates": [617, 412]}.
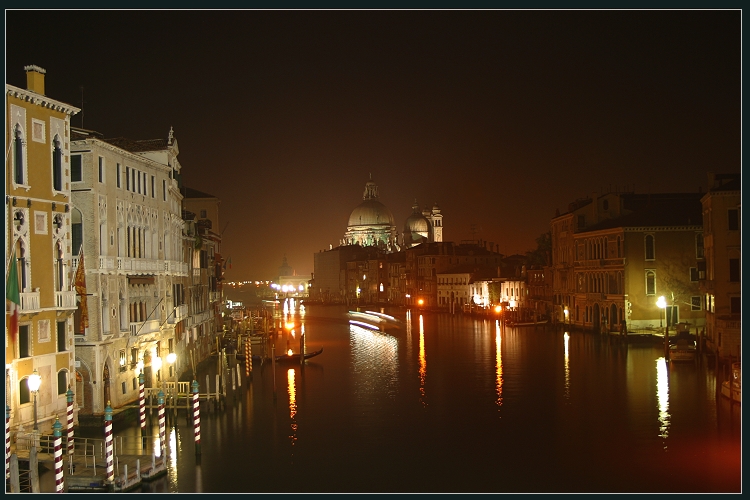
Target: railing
{"type": "Point", "coordinates": [66, 300]}
{"type": "Point", "coordinates": [179, 313]}
{"type": "Point", "coordinates": [728, 324]}
{"type": "Point", "coordinates": [142, 328]}
{"type": "Point", "coordinates": [107, 263]}
{"type": "Point", "coordinates": [29, 301]}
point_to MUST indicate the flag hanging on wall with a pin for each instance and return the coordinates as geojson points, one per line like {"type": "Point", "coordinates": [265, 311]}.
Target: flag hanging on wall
{"type": "Point", "coordinates": [80, 284]}
{"type": "Point", "coordinates": [13, 295]}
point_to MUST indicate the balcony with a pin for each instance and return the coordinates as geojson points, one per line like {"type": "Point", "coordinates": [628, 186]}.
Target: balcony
{"type": "Point", "coordinates": [145, 327]}
{"type": "Point", "coordinates": [215, 296]}
{"type": "Point", "coordinates": [30, 302]}
{"type": "Point", "coordinates": [66, 300]}
{"type": "Point", "coordinates": [107, 263]}
{"type": "Point", "coordinates": [179, 313]}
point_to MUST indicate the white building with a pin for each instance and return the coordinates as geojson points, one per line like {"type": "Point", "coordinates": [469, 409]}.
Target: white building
{"type": "Point", "coordinates": [127, 216]}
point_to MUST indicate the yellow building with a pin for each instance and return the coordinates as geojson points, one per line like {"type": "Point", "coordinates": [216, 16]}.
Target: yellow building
{"type": "Point", "coordinates": [616, 253]}
{"type": "Point", "coordinates": [38, 236]}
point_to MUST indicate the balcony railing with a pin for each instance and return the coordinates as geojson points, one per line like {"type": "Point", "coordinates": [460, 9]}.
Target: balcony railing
{"type": "Point", "coordinates": [66, 300]}
{"type": "Point", "coordinates": [145, 327]}
{"type": "Point", "coordinates": [107, 263]}
{"type": "Point", "coordinates": [179, 313]}
{"type": "Point", "coordinates": [29, 302]}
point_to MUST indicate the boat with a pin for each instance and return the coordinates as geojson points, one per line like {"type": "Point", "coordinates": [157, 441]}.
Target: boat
{"type": "Point", "coordinates": [682, 350]}
{"type": "Point", "coordinates": [527, 323]}
{"type": "Point", "coordinates": [735, 382]}
{"type": "Point", "coordinates": [295, 357]}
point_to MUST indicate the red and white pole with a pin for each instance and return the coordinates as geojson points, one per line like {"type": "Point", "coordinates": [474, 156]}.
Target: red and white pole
{"type": "Point", "coordinates": [162, 425]}
{"type": "Point", "coordinates": [142, 403]}
{"type": "Point", "coordinates": [71, 443]}
{"type": "Point", "coordinates": [57, 433]}
{"type": "Point", "coordinates": [7, 442]}
{"type": "Point", "coordinates": [108, 456]}
{"type": "Point", "coordinates": [248, 357]}
{"type": "Point", "coordinates": [196, 418]}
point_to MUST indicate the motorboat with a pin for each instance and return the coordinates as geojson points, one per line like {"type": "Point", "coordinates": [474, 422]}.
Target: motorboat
{"type": "Point", "coordinates": [682, 350]}
{"type": "Point", "coordinates": [732, 388]}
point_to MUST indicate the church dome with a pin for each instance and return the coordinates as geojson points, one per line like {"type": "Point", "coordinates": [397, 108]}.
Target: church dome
{"type": "Point", "coordinates": [416, 223]}
{"type": "Point", "coordinates": [371, 212]}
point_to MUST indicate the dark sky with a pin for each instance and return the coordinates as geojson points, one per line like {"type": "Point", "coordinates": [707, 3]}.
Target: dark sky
{"type": "Point", "coordinates": [501, 117]}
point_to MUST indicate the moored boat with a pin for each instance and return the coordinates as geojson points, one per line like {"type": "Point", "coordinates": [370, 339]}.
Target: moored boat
{"type": "Point", "coordinates": [682, 350]}
{"type": "Point", "coordinates": [295, 357]}
{"type": "Point", "coordinates": [732, 388]}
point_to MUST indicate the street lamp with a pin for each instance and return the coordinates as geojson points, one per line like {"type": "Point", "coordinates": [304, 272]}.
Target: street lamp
{"type": "Point", "coordinates": [34, 382]}
{"type": "Point", "coordinates": [662, 304]}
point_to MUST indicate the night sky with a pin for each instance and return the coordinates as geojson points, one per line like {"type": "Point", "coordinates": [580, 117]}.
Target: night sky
{"type": "Point", "coordinates": [501, 117]}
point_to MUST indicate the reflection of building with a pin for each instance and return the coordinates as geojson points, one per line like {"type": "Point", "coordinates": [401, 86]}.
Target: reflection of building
{"type": "Point", "coordinates": [128, 198]}
{"type": "Point", "coordinates": [39, 235]}
{"type": "Point", "coordinates": [721, 284]}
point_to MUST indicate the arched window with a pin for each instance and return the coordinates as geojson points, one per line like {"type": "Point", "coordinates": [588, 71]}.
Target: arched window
{"type": "Point", "coordinates": [650, 283]}
{"type": "Point", "coordinates": [57, 156]}
{"type": "Point", "coordinates": [649, 241]}
{"type": "Point", "coordinates": [18, 155]}
{"type": "Point", "coordinates": [62, 382]}
{"type": "Point", "coordinates": [24, 394]}
{"type": "Point", "coordinates": [619, 247]}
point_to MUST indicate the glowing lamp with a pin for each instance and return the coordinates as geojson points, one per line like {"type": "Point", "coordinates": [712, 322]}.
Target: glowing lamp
{"type": "Point", "coordinates": [171, 358]}
{"type": "Point", "coordinates": [34, 381]}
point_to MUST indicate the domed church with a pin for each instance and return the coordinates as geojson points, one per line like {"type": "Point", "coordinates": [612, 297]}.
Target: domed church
{"type": "Point", "coordinates": [423, 226]}
{"type": "Point", "coordinates": [371, 223]}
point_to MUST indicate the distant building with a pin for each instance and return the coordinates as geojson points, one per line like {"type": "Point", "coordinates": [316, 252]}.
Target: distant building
{"type": "Point", "coordinates": [371, 223]}
{"type": "Point", "coordinates": [424, 226]}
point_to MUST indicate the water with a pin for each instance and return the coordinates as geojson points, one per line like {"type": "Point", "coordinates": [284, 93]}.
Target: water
{"type": "Point", "coordinates": [458, 404]}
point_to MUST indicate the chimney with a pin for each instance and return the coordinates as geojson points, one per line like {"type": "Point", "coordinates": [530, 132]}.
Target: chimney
{"type": "Point", "coordinates": [35, 79]}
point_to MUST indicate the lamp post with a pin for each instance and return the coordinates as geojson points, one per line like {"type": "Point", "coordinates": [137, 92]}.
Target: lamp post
{"type": "Point", "coordinates": [662, 304]}
{"type": "Point", "coordinates": [34, 382]}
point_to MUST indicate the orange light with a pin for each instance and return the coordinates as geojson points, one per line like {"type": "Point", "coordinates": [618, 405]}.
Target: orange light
{"type": "Point", "coordinates": [289, 326]}
{"type": "Point", "coordinates": [289, 352]}
{"type": "Point", "coordinates": [498, 309]}
{"type": "Point", "coordinates": [420, 301]}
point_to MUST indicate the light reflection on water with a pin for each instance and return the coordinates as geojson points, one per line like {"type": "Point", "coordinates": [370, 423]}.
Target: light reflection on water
{"type": "Point", "coordinates": [662, 395]}
{"type": "Point", "coordinates": [499, 364]}
{"type": "Point", "coordinates": [593, 420]}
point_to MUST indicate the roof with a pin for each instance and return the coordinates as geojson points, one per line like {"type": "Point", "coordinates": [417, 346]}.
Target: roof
{"type": "Point", "coordinates": [138, 146]}
{"type": "Point", "coordinates": [657, 210]}
{"type": "Point", "coordinates": [194, 193]}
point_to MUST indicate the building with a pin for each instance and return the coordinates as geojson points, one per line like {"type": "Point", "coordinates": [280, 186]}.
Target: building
{"type": "Point", "coordinates": [371, 223]}
{"type": "Point", "coordinates": [127, 208]}
{"type": "Point", "coordinates": [39, 245]}
{"type": "Point", "coordinates": [204, 294]}
{"type": "Point", "coordinates": [614, 254]}
{"type": "Point", "coordinates": [424, 226]}
{"type": "Point", "coordinates": [720, 278]}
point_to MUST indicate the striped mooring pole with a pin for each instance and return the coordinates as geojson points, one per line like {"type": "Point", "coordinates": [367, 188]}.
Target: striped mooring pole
{"type": "Point", "coordinates": [142, 403]}
{"type": "Point", "coordinates": [7, 442]}
{"type": "Point", "coordinates": [57, 433]}
{"type": "Point", "coordinates": [71, 443]}
{"type": "Point", "coordinates": [248, 357]}
{"type": "Point", "coordinates": [196, 418]}
{"type": "Point", "coordinates": [108, 456]}
{"type": "Point", "coordinates": [162, 426]}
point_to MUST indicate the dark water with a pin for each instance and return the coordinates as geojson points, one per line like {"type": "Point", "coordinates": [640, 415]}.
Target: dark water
{"type": "Point", "coordinates": [458, 404]}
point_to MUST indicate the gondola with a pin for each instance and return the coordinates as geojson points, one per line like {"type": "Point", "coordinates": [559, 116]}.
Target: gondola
{"type": "Point", "coordinates": [295, 357]}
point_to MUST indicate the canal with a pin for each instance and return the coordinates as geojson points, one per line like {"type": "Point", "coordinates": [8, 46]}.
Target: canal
{"type": "Point", "coordinates": [448, 404]}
